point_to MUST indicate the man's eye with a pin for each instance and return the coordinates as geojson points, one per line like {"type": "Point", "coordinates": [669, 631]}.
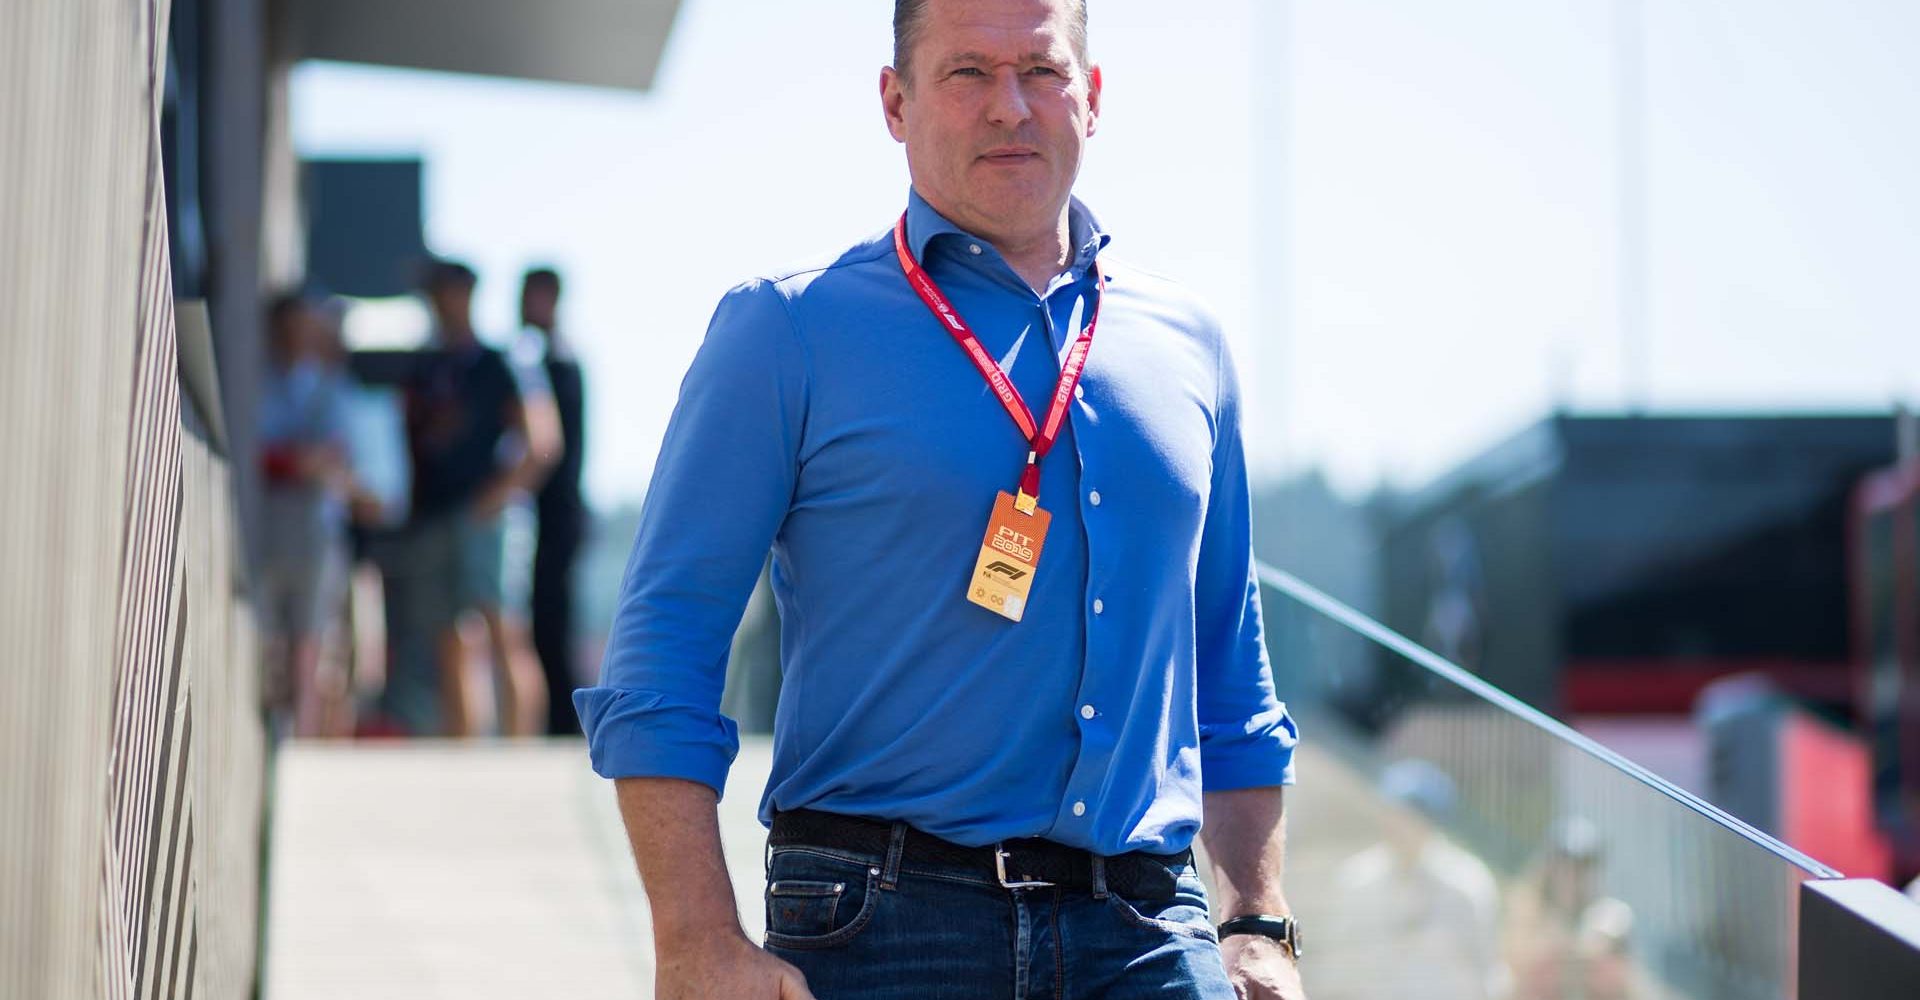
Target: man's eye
{"type": "Point", "coordinates": [1044, 71]}
{"type": "Point", "coordinates": [967, 71]}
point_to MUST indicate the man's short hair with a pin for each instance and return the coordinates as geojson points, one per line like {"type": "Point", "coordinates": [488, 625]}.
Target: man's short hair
{"type": "Point", "coordinates": [450, 274]}
{"type": "Point", "coordinates": [544, 278]}
{"type": "Point", "coordinates": [910, 16]}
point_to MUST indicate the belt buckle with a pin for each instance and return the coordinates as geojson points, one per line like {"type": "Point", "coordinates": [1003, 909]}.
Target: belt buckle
{"type": "Point", "coordinates": [1000, 856]}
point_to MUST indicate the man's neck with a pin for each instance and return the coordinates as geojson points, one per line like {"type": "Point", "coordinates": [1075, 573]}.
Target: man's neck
{"type": "Point", "coordinates": [550, 339]}
{"type": "Point", "coordinates": [1038, 258]}
{"type": "Point", "coordinates": [1036, 255]}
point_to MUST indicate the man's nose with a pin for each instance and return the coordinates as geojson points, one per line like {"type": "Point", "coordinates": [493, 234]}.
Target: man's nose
{"type": "Point", "coordinates": [1007, 107]}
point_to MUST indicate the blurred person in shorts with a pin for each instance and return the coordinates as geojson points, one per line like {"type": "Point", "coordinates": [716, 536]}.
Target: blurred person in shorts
{"type": "Point", "coordinates": [479, 441]}
{"type": "Point", "coordinates": [304, 465]}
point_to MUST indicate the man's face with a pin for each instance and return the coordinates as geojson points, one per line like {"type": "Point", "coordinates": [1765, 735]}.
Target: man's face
{"type": "Point", "coordinates": [452, 306]}
{"type": "Point", "coordinates": [537, 306]}
{"type": "Point", "coordinates": [996, 113]}
{"type": "Point", "coordinates": [293, 335]}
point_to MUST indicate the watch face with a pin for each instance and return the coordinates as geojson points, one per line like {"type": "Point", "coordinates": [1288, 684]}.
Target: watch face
{"type": "Point", "coordinates": [1293, 937]}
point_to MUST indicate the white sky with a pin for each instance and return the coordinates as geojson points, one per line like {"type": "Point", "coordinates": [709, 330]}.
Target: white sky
{"type": "Point", "coordinates": [1406, 212]}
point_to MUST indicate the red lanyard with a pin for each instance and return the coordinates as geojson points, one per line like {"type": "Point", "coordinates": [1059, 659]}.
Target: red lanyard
{"type": "Point", "coordinates": [1039, 440]}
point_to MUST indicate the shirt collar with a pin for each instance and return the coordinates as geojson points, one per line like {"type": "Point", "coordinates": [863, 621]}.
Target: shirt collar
{"type": "Point", "coordinates": [924, 223]}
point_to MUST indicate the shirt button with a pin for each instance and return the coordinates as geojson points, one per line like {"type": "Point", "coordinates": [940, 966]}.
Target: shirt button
{"type": "Point", "coordinates": [973, 248]}
{"type": "Point", "coordinates": [1086, 711]}
{"type": "Point", "coordinates": [1079, 391]}
{"type": "Point", "coordinates": [1093, 498]}
{"type": "Point", "coordinates": [1099, 605]}
{"type": "Point", "coordinates": [1079, 808]}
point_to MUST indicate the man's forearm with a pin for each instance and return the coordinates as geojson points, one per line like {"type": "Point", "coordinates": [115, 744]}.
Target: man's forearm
{"type": "Point", "coordinates": [1245, 836]}
{"type": "Point", "coordinates": [674, 827]}
{"type": "Point", "coordinates": [523, 477]}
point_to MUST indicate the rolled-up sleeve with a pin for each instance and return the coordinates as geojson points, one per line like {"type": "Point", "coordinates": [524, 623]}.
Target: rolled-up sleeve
{"type": "Point", "coordinates": [721, 488]}
{"type": "Point", "coordinates": [1246, 735]}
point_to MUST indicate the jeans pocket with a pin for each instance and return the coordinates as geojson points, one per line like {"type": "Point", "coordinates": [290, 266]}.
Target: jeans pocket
{"type": "Point", "coordinates": [801, 907]}
{"type": "Point", "coordinates": [817, 900]}
{"type": "Point", "coordinates": [1185, 913]}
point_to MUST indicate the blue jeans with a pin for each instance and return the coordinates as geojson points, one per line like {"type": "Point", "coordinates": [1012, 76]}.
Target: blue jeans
{"type": "Point", "coordinates": [874, 928]}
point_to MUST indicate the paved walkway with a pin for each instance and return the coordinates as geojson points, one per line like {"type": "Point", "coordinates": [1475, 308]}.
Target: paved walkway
{"type": "Point", "coordinates": [468, 872]}
{"type": "Point", "coordinates": [486, 871]}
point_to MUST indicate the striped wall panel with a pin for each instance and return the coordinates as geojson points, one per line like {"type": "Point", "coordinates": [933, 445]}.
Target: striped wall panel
{"type": "Point", "coordinates": [152, 694]}
{"type": "Point", "coordinates": [75, 133]}
{"type": "Point", "coordinates": [131, 750]}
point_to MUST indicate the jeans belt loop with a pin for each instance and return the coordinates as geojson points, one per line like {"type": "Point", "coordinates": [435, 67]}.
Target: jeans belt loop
{"type": "Point", "coordinates": [1099, 879]}
{"type": "Point", "coordinates": [896, 847]}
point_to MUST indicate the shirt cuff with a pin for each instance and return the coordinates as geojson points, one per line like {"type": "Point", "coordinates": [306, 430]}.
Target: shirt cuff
{"type": "Point", "coordinates": [1255, 754]}
{"type": "Point", "coordinates": [645, 734]}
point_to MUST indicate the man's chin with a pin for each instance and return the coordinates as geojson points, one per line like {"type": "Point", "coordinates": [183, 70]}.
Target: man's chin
{"type": "Point", "coordinates": [1019, 206]}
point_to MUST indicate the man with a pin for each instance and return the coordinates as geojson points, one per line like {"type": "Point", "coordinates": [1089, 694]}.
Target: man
{"type": "Point", "coordinates": [304, 463]}
{"type": "Point", "coordinates": [985, 784]}
{"type": "Point", "coordinates": [478, 443]}
{"type": "Point", "coordinates": [561, 511]}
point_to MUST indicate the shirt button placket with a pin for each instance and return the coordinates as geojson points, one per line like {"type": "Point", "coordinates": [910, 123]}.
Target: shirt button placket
{"type": "Point", "coordinates": [1087, 712]}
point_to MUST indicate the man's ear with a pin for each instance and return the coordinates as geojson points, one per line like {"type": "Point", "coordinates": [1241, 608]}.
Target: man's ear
{"type": "Point", "coordinates": [893, 102]}
{"type": "Point", "coordinates": [1093, 99]}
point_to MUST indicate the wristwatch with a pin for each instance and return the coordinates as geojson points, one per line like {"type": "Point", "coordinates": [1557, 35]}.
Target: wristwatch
{"type": "Point", "coordinates": [1285, 930]}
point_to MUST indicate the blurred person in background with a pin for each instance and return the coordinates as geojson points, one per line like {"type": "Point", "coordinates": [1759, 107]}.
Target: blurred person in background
{"type": "Point", "coordinates": [992, 754]}
{"type": "Point", "coordinates": [1565, 940]}
{"type": "Point", "coordinates": [478, 443]}
{"type": "Point", "coordinates": [305, 466]}
{"type": "Point", "coordinates": [1413, 915]}
{"type": "Point", "coordinates": [561, 511]}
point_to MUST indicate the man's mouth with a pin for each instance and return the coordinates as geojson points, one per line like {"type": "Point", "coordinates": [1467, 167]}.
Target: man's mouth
{"type": "Point", "coordinates": [1010, 155]}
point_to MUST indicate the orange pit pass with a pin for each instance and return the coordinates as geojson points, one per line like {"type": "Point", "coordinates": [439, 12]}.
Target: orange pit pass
{"type": "Point", "coordinates": [1009, 556]}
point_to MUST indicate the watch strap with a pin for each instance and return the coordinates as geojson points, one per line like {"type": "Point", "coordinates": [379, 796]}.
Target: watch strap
{"type": "Point", "coordinates": [1285, 930]}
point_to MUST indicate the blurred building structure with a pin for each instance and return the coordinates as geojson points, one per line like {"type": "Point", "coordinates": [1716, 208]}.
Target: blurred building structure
{"type": "Point", "coordinates": [1620, 564]}
{"type": "Point", "coordinates": [1612, 570]}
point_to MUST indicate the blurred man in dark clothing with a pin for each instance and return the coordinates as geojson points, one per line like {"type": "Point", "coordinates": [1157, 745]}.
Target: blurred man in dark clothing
{"type": "Point", "coordinates": [478, 442]}
{"type": "Point", "coordinates": [562, 512]}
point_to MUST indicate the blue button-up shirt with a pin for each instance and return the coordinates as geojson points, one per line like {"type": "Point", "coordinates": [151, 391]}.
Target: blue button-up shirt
{"type": "Point", "coordinates": [830, 416]}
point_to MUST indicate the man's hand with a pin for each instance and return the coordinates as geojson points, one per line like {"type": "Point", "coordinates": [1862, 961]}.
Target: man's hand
{"type": "Point", "coordinates": [491, 501]}
{"type": "Point", "coordinates": [725, 967]}
{"type": "Point", "coordinates": [1260, 969]}
{"type": "Point", "coordinates": [699, 949]}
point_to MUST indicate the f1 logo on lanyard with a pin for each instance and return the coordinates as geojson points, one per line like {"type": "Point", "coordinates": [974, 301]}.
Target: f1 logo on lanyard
{"type": "Point", "coordinates": [1010, 552]}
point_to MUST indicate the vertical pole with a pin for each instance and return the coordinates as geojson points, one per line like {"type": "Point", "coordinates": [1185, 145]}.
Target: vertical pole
{"type": "Point", "coordinates": [1631, 164]}
{"type": "Point", "coordinates": [1906, 429]}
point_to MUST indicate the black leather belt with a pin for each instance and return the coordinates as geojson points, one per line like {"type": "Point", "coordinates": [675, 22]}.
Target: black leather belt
{"type": "Point", "coordinates": [1027, 862]}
